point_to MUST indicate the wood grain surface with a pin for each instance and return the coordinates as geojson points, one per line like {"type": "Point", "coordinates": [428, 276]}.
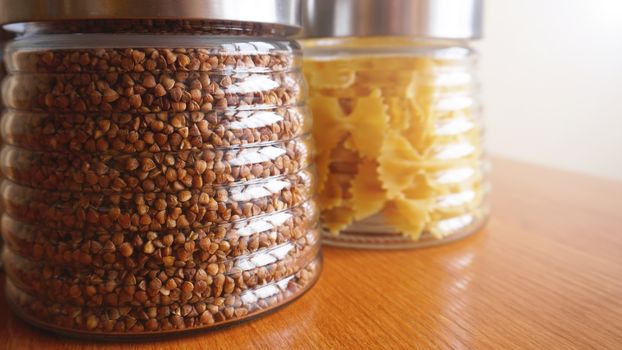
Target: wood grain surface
{"type": "Point", "coordinates": [546, 273]}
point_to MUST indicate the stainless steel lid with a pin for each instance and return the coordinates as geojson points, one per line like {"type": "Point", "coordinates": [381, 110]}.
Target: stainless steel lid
{"type": "Point", "coordinates": [280, 12]}
{"type": "Point", "coordinates": [437, 19]}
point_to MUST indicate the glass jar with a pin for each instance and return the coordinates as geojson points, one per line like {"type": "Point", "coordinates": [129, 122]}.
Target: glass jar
{"type": "Point", "coordinates": [4, 36]}
{"type": "Point", "coordinates": [397, 121]}
{"type": "Point", "coordinates": [159, 172]}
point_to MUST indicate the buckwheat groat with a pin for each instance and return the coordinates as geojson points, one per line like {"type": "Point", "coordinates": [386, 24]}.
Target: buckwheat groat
{"type": "Point", "coordinates": [162, 131]}
{"type": "Point", "coordinates": [155, 211]}
{"type": "Point", "coordinates": [177, 316]}
{"type": "Point", "coordinates": [163, 285]}
{"type": "Point", "coordinates": [4, 36]}
{"type": "Point", "coordinates": [159, 173]}
{"type": "Point", "coordinates": [155, 172]}
{"type": "Point", "coordinates": [150, 249]}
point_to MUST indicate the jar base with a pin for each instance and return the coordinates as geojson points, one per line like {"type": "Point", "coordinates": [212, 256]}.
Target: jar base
{"type": "Point", "coordinates": [395, 241]}
{"type": "Point", "coordinates": [314, 268]}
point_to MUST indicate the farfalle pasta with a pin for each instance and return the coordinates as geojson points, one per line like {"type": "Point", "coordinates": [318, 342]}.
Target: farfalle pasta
{"type": "Point", "coordinates": [399, 143]}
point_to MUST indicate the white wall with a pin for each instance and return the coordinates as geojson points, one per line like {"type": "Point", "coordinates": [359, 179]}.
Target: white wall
{"type": "Point", "coordinates": [552, 82]}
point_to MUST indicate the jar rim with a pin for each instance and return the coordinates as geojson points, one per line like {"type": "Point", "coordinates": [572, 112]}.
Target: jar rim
{"type": "Point", "coordinates": [430, 19]}
{"type": "Point", "coordinates": [284, 13]}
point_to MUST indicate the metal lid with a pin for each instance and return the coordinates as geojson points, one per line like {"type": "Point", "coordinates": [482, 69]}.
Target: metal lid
{"type": "Point", "coordinates": [280, 12]}
{"type": "Point", "coordinates": [437, 19]}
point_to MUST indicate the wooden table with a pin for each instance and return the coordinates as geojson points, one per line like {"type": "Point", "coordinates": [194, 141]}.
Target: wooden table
{"type": "Point", "coordinates": [545, 274]}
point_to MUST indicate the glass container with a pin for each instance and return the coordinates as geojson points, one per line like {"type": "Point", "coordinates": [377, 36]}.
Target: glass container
{"type": "Point", "coordinates": [160, 171]}
{"type": "Point", "coordinates": [4, 36]}
{"type": "Point", "coordinates": [397, 120]}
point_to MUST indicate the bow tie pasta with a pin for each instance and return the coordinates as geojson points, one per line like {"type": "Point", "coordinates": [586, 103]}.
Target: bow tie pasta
{"type": "Point", "coordinates": [398, 145]}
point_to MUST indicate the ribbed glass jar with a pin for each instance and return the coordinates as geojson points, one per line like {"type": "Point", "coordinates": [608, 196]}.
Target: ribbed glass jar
{"type": "Point", "coordinates": [397, 121]}
{"type": "Point", "coordinates": [160, 175]}
{"type": "Point", "coordinates": [4, 36]}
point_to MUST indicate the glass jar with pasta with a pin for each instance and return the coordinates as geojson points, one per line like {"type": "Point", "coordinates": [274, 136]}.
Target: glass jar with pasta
{"type": "Point", "coordinates": [397, 120]}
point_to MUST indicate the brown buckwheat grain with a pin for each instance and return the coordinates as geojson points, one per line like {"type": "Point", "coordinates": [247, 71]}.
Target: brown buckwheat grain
{"type": "Point", "coordinates": [156, 189]}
